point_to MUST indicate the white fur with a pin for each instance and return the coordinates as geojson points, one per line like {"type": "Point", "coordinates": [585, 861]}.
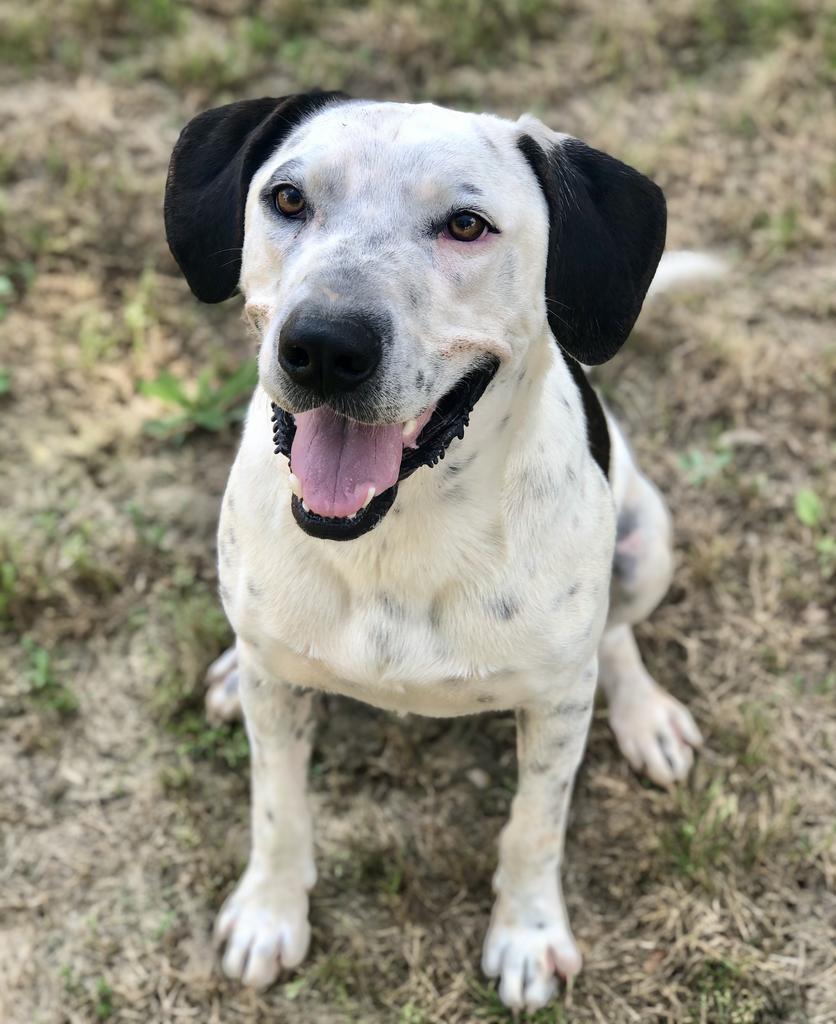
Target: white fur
{"type": "Point", "coordinates": [482, 589]}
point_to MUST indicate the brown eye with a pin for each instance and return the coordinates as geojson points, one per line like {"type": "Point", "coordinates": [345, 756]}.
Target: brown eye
{"type": "Point", "coordinates": [465, 226]}
{"type": "Point", "coordinates": [289, 200]}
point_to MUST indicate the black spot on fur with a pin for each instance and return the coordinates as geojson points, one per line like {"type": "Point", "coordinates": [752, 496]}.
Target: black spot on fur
{"type": "Point", "coordinates": [504, 607]}
{"type": "Point", "coordinates": [558, 807]}
{"type": "Point", "coordinates": [270, 816]}
{"type": "Point", "coordinates": [420, 379]}
{"type": "Point", "coordinates": [485, 698]}
{"type": "Point", "coordinates": [625, 563]}
{"type": "Point", "coordinates": [391, 606]}
{"type": "Point", "coordinates": [628, 521]}
{"type": "Point", "coordinates": [537, 486]}
{"type": "Point", "coordinates": [570, 708]}
{"type": "Point", "coordinates": [436, 611]}
{"type": "Point", "coordinates": [574, 589]}
{"type": "Point", "coordinates": [455, 492]}
{"type": "Point", "coordinates": [382, 644]}
{"type": "Point", "coordinates": [454, 468]}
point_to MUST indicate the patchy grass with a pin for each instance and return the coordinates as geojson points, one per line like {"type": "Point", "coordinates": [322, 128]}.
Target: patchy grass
{"type": "Point", "coordinates": [125, 813]}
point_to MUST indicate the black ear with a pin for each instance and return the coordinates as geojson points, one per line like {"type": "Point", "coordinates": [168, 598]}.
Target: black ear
{"type": "Point", "coordinates": [606, 235]}
{"type": "Point", "coordinates": [213, 162]}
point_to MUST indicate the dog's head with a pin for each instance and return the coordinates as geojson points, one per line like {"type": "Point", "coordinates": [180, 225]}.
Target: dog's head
{"type": "Point", "coordinates": [392, 258]}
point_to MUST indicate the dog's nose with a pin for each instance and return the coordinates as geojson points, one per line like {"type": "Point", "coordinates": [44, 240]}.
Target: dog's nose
{"type": "Point", "coordinates": [329, 355]}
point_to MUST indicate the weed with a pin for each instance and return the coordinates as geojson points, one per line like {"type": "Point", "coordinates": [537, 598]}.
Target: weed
{"type": "Point", "coordinates": [724, 995]}
{"type": "Point", "coordinates": [7, 291]}
{"type": "Point", "coordinates": [809, 508]}
{"type": "Point", "coordinates": [700, 467]}
{"type": "Point", "coordinates": [43, 685]}
{"type": "Point", "coordinates": [225, 745]}
{"type": "Point", "coordinates": [826, 548]}
{"type": "Point", "coordinates": [211, 405]}
{"type": "Point", "coordinates": [137, 311]}
{"type": "Point", "coordinates": [104, 1000]}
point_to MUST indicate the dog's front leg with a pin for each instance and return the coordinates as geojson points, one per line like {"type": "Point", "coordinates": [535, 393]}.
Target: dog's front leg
{"type": "Point", "coordinates": [264, 922]}
{"type": "Point", "coordinates": [529, 940]}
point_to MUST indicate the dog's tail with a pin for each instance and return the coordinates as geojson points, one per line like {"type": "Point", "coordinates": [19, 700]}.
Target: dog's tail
{"type": "Point", "coordinates": [684, 267]}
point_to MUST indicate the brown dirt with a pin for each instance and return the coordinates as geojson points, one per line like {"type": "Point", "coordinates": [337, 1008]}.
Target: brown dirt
{"type": "Point", "coordinates": [124, 817]}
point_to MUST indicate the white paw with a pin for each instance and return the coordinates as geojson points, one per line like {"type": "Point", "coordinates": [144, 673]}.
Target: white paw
{"type": "Point", "coordinates": [656, 733]}
{"type": "Point", "coordinates": [528, 957]}
{"type": "Point", "coordinates": [223, 703]}
{"type": "Point", "coordinates": [264, 924]}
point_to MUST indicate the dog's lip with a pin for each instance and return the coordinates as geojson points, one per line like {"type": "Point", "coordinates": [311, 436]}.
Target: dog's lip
{"type": "Point", "coordinates": [448, 419]}
{"type": "Point", "coordinates": [343, 527]}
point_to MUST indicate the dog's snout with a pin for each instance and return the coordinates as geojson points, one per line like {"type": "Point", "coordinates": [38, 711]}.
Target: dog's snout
{"type": "Point", "coordinates": [329, 355]}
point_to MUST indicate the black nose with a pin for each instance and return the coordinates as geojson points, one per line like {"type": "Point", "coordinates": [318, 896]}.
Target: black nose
{"type": "Point", "coordinates": [329, 355]}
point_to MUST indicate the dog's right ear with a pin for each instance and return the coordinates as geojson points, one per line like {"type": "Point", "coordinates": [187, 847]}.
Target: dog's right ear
{"type": "Point", "coordinates": [211, 168]}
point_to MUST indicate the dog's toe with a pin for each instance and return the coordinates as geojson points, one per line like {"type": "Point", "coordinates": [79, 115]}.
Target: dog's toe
{"type": "Point", "coordinates": [528, 959]}
{"type": "Point", "coordinates": [264, 928]}
{"type": "Point", "coordinates": [657, 735]}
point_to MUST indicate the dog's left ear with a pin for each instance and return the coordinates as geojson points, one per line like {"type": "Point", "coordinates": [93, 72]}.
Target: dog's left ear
{"type": "Point", "coordinates": [209, 175]}
{"type": "Point", "coordinates": [606, 236]}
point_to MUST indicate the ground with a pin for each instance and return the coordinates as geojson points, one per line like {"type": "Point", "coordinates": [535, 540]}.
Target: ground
{"type": "Point", "coordinates": [124, 816]}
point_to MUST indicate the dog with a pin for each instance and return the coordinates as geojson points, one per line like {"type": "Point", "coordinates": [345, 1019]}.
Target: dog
{"type": "Point", "coordinates": [430, 510]}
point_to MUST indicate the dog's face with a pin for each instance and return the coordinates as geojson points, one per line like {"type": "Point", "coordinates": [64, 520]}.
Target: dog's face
{"type": "Point", "coordinates": [420, 223]}
{"type": "Point", "coordinates": [393, 258]}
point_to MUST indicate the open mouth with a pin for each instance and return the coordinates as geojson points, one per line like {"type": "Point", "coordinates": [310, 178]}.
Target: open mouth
{"type": "Point", "coordinates": [345, 474]}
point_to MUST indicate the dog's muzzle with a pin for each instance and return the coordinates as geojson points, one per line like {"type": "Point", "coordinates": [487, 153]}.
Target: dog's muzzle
{"type": "Point", "coordinates": [344, 475]}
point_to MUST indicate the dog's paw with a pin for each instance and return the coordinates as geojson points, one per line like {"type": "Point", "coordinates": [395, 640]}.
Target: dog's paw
{"type": "Point", "coordinates": [223, 703]}
{"type": "Point", "coordinates": [527, 958]}
{"type": "Point", "coordinates": [264, 926]}
{"type": "Point", "coordinates": [656, 734]}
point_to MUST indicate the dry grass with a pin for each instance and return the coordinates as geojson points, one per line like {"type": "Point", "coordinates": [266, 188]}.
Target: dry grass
{"type": "Point", "coordinates": [124, 816]}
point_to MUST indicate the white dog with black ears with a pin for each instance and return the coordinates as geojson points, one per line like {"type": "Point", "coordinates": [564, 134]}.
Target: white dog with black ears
{"type": "Point", "coordinates": [426, 284]}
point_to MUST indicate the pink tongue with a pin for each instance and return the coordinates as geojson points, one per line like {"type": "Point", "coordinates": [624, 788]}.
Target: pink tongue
{"type": "Point", "coordinates": [338, 460]}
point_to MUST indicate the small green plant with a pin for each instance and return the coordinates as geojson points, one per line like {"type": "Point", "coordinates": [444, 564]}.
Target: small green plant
{"type": "Point", "coordinates": [7, 291]}
{"type": "Point", "coordinates": [43, 685]}
{"type": "Point", "coordinates": [700, 466]}
{"type": "Point", "coordinates": [809, 508]}
{"type": "Point", "coordinates": [5, 381]}
{"type": "Point", "coordinates": [810, 512]}
{"type": "Point", "coordinates": [223, 744]}
{"type": "Point", "coordinates": [104, 1000]}
{"type": "Point", "coordinates": [826, 548]}
{"type": "Point", "coordinates": [211, 405]}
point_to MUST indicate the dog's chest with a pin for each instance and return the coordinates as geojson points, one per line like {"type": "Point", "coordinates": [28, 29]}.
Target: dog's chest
{"type": "Point", "coordinates": [414, 634]}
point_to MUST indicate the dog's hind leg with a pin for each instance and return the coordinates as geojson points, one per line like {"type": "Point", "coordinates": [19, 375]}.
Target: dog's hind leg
{"type": "Point", "coordinates": [655, 732]}
{"type": "Point", "coordinates": [223, 699]}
